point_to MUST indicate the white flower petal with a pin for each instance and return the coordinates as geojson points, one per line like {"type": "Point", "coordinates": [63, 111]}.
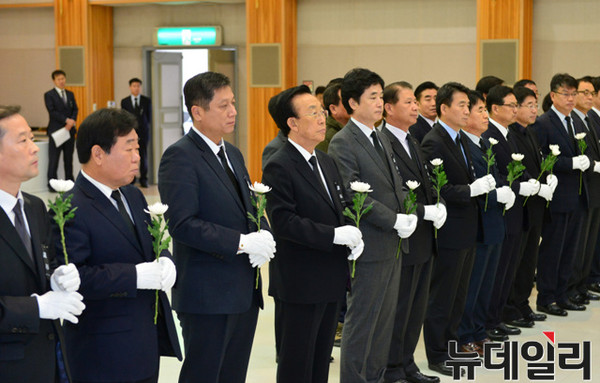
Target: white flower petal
{"type": "Point", "coordinates": [260, 188]}
{"type": "Point", "coordinates": [493, 141]}
{"type": "Point", "coordinates": [61, 186]}
{"type": "Point", "coordinates": [436, 161]}
{"type": "Point", "coordinates": [517, 156]}
{"type": "Point", "coordinates": [555, 150]}
{"type": "Point", "coordinates": [360, 187]}
{"type": "Point", "coordinates": [580, 136]}
{"type": "Point", "coordinates": [157, 208]}
{"type": "Point", "coordinates": [412, 185]}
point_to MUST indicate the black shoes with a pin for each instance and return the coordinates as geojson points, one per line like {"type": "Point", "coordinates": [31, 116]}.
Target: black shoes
{"type": "Point", "coordinates": [552, 309]}
{"type": "Point", "coordinates": [419, 377]}
{"type": "Point", "coordinates": [570, 306]}
{"type": "Point", "coordinates": [441, 368]}
{"type": "Point", "coordinates": [521, 322]}
{"type": "Point", "coordinates": [579, 299]}
{"type": "Point", "coordinates": [536, 317]}
{"type": "Point", "coordinates": [595, 287]}
{"type": "Point", "coordinates": [591, 296]}
{"type": "Point", "coordinates": [144, 183]}
{"type": "Point", "coordinates": [496, 335]}
{"type": "Point", "coordinates": [508, 330]}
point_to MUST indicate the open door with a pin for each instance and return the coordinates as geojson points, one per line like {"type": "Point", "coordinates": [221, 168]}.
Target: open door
{"type": "Point", "coordinates": [167, 100]}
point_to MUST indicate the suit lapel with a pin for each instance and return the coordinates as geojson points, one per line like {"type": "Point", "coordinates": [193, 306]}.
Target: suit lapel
{"type": "Point", "coordinates": [455, 150]}
{"type": "Point", "coordinates": [36, 242]}
{"type": "Point", "coordinates": [401, 154]}
{"type": "Point", "coordinates": [141, 220]}
{"type": "Point", "coordinates": [10, 235]}
{"type": "Point", "coordinates": [334, 188]}
{"type": "Point", "coordinates": [367, 145]}
{"type": "Point", "coordinates": [562, 132]}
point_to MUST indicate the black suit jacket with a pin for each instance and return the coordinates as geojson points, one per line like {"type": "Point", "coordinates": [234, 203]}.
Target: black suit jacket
{"type": "Point", "coordinates": [206, 219]}
{"type": "Point", "coordinates": [595, 117]}
{"type": "Point", "coordinates": [420, 129]}
{"type": "Point", "coordinates": [460, 229]}
{"type": "Point", "coordinates": [27, 343]}
{"type": "Point", "coordinates": [550, 130]}
{"type": "Point", "coordinates": [144, 115]}
{"type": "Point", "coordinates": [58, 111]}
{"type": "Point", "coordinates": [116, 331]}
{"type": "Point", "coordinates": [272, 147]}
{"type": "Point", "coordinates": [515, 222]}
{"type": "Point", "coordinates": [308, 267]}
{"type": "Point", "coordinates": [416, 169]}
{"type": "Point", "coordinates": [593, 153]}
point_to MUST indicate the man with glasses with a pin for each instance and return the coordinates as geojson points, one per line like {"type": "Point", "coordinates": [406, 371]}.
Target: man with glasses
{"type": "Point", "coordinates": [578, 288]}
{"type": "Point", "coordinates": [561, 233]}
{"type": "Point", "coordinates": [502, 106]}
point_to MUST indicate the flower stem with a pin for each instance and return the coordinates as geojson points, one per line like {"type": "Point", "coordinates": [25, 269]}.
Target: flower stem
{"type": "Point", "coordinates": [398, 251]}
{"type": "Point", "coordinates": [62, 241]}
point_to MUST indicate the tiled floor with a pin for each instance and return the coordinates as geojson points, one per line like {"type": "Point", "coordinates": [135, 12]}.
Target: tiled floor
{"type": "Point", "coordinates": [577, 327]}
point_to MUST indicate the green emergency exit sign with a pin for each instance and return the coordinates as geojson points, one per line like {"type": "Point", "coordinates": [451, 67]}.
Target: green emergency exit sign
{"type": "Point", "coordinates": [189, 36]}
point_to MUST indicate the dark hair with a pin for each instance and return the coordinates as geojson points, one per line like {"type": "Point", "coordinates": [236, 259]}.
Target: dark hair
{"type": "Point", "coordinates": [7, 111]}
{"type": "Point", "coordinates": [423, 87]}
{"type": "Point", "coordinates": [521, 93]}
{"type": "Point", "coordinates": [589, 79]}
{"type": "Point", "coordinates": [488, 82]}
{"type": "Point", "coordinates": [596, 83]}
{"type": "Point", "coordinates": [284, 107]}
{"type": "Point", "coordinates": [390, 93]}
{"type": "Point", "coordinates": [335, 81]}
{"type": "Point", "coordinates": [320, 89]}
{"type": "Point", "coordinates": [331, 95]}
{"type": "Point", "coordinates": [564, 80]}
{"type": "Point", "coordinates": [523, 82]}
{"type": "Point", "coordinates": [474, 97]}
{"type": "Point", "coordinates": [547, 103]}
{"type": "Point", "coordinates": [135, 79]}
{"type": "Point", "coordinates": [496, 96]}
{"type": "Point", "coordinates": [354, 84]}
{"type": "Point", "coordinates": [57, 73]}
{"type": "Point", "coordinates": [200, 89]}
{"type": "Point", "coordinates": [102, 128]}
{"type": "Point", "coordinates": [445, 95]}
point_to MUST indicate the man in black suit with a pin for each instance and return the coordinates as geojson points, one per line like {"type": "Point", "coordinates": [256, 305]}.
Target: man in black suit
{"type": "Point", "coordinates": [278, 141]}
{"type": "Point", "coordinates": [517, 311]}
{"type": "Point", "coordinates": [121, 281]}
{"type": "Point", "coordinates": [561, 234]}
{"type": "Point", "coordinates": [594, 115]}
{"type": "Point", "coordinates": [63, 110]}
{"type": "Point", "coordinates": [425, 93]}
{"type": "Point", "coordinates": [456, 240]}
{"type": "Point", "coordinates": [501, 105]}
{"type": "Point", "coordinates": [578, 285]}
{"type": "Point", "coordinates": [486, 83]}
{"type": "Point", "coordinates": [308, 276]}
{"type": "Point", "coordinates": [29, 311]}
{"type": "Point", "coordinates": [363, 154]}
{"type": "Point", "coordinates": [400, 111]}
{"type": "Point", "coordinates": [217, 248]}
{"type": "Point", "coordinates": [472, 332]}
{"type": "Point", "coordinates": [141, 107]}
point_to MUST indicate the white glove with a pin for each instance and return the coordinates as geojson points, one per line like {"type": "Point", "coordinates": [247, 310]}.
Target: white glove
{"type": "Point", "coordinates": [581, 162]}
{"type": "Point", "coordinates": [546, 192]}
{"type": "Point", "coordinates": [529, 188]}
{"type": "Point", "coordinates": [441, 217]}
{"type": "Point", "coordinates": [482, 185]}
{"type": "Point", "coordinates": [259, 259]}
{"type": "Point", "coordinates": [506, 196]}
{"type": "Point", "coordinates": [405, 224]}
{"type": "Point", "coordinates": [347, 235]}
{"type": "Point", "coordinates": [552, 181]}
{"type": "Point", "coordinates": [168, 274]}
{"type": "Point", "coordinates": [269, 238]}
{"type": "Point", "coordinates": [65, 278]}
{"type": "Point", "coordinates": [60, 305]}
{"type": "Point", "coordinates": [148, 275]}
{"type": "Point", "coordinates": [356, 251]}
{"type": "Point", "coordinates": [597, 166]}
{"type": "Point", "coordinates": [259, 242]}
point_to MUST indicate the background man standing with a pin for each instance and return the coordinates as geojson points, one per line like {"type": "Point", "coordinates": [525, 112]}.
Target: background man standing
{"type": "Point", "coordinates": [29, 329]}
{"type": "Point", "coordinates": [426, 94]}
{"type": "Point", "coordinates": [117, 339]}
{"type": "Point", "coordinates": [337, 116]}
{"type": "Point", "coordinates": [63, 110]}
{"type": "Point", "coordinates": [141, 107]}
{"type": "Point", "coordinates": [204, 181]}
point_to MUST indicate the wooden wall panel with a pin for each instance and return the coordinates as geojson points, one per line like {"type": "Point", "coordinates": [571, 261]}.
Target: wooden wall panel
{"type": "Point", "coordinates": [101, 62]}
{"type": "Point", "coordinates": [268, 21]}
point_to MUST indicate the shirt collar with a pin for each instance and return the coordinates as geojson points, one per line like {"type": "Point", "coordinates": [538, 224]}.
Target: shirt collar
{"type": "Point", "coordinates": [500, 127]}
{"type": "Point", "coordinates": [596, 110]}
{"type": "Point", "coordinates": [399, 133]}
{"type": "Point", "coordinates": [8, 201]}
{"type": "Point", "coordinates": [59, 90]}
{"type": "Point", "coordinates": [106, 190]}
{"type": "Point", "coordinates": [560, 115]}
{"type": "Point", "coordinates": [429, 121]}
{"type": "Point", "coordinates": [214, 147]}
{"type": "Point", "coordinates": [448, 129]}
{"type": "Point", "coordinates": [364, 128]}
{"type": "Point", "coordinates": [580, 114]}
{"type": "Point", "coordinates": [472, 137]}
{"type": "Point", "coordinates": [302, 151]}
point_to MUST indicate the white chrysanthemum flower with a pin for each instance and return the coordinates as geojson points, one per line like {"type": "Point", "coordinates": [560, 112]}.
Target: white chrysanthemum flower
{"type": "Point", "coordinates": [157, 208]}
{"type": "Point", "coordinates": [493, 141]}
{"type": "Point", "coordinates": [61, 186]}
{"type": "Point", "coordinates": [360, 187]}
{"type": "Point", "coordinates": [517, 156]}
{"type": "Point", "coordinates": [260, 188]}
{"type": "Point", "coordinates": [412, 185]}
{"type": "Point", "coordinates": [436, 161]}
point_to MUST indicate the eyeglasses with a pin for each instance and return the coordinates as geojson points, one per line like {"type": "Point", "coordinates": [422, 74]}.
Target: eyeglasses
{"type": "Point", "coordinates": [512, 106]}
{"type": "Point", "coordinates": [567, 95]}
{"type": "Point", "coordinates": [532, 107]}
{"type": "Point", "coordinates": [317, 113]}
{"type": "Point", "coordinates": [587, 93]}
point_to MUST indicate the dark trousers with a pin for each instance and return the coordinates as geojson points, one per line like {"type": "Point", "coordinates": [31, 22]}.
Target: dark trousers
{"type": "Point", "coordinates": [585, 254]}
{"type": "Point", "coordinates": [447, 298]}
{"type": "Point", "coordinates": [306, 339]}
{"type": "Point", "coordinates": [217, 346]}
{"type": "Point", "coordinates": [505, 275]}
{"type": "Point", "coordinates": [410, 314]}
{"type": "Point", "coordinates": [54, 154]}
{"type": "Point", "coordinates": [560, 238]}
{"type": "Point", "coordinates": [143, 141]}
{"type": "Point", "coordinates": [594, 276]}
{"type": "Point", "coordinates": [152, 379]}
{"type": "Point", "coordinates": [472, 325]}
{"type": "Point", "coordinates": [518, 301]}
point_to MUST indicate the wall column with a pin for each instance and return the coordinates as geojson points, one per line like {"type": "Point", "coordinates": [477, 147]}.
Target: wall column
{"type": "Point", "coordinates": [268, 21]}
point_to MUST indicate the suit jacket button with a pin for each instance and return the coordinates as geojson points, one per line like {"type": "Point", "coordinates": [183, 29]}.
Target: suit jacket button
{"type": "Point", "coordinates": [14, 330]}
{"type": "Point", "coordinates": [50, 336]}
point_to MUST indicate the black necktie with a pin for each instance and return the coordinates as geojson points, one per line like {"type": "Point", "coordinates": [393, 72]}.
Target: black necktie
{"type": "Point", "coordinates": [63, 95]}
{"type": "Point", "coordinates": [315, 169]}
{"type": "Point", "coordinates": [378, 147]}
{"type": "Point", "coordinates": [117, 197]}
{"type": "Point", "coordinates": [229, 172]}
{"type": "Point", "coordinates": [413, 151]}
{"type": "Point", "coordinates": [571, 133]}
{"type": "Point", "coordinates": [21, 230]}
{"type": "Point", "coordinates": [137, 106]}
{"type": "Point", "coordinates": [460, 148]}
